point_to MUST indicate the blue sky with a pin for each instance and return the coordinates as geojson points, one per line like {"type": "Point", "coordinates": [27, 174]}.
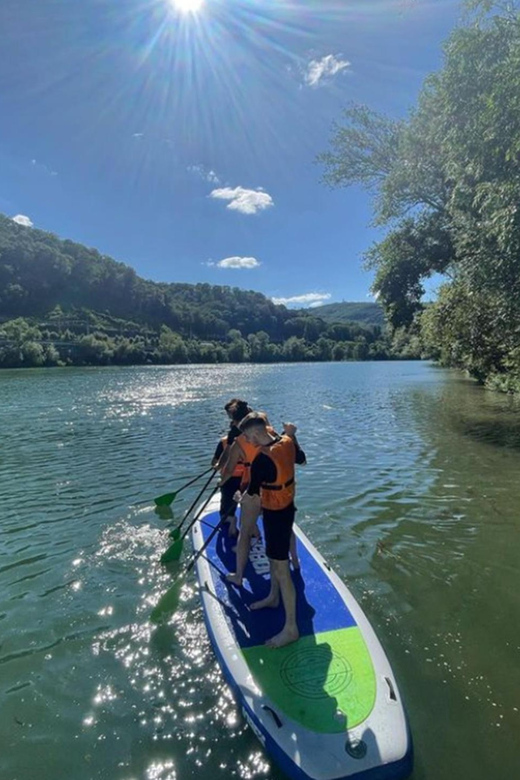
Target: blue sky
{"type": "Point", "coordinates": [183, 142]}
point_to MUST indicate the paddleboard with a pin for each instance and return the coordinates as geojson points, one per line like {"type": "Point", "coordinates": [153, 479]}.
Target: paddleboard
{"type": "Point", "coordinates": [326, 707]}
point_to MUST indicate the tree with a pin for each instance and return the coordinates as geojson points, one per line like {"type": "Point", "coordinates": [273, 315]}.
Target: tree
{"type": "Point", "coordinates": [446, 184]}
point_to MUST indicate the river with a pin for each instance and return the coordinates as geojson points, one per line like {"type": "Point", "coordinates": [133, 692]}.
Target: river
{"type": "Point", "coordinates": [411, 492]}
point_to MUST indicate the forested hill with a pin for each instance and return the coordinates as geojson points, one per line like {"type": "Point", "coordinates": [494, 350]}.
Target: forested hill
{"type": "Point", "coordinates": [62, 303]}
{"type": "Point", "coordinates": [366, 313]}
{"type": "Point", "coordinates": [39, 271]}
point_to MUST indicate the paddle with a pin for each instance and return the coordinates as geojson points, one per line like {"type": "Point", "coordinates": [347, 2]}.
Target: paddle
{"type": "Point", "coordinates": [169, 601]}
{"type": "Point", "coordinates": [173, 553]}
{"type": "Point", "coordinates": [169, 498]}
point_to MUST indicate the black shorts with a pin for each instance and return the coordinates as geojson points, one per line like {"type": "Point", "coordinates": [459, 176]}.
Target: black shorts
{"type": "Point", "coordinates": [227, 504]}
{"type": "Point", "coordinates": [278, 528]}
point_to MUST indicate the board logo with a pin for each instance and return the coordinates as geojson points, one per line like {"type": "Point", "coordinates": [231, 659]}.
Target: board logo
{"type": "Point", "coordinates": [258, 558]}
{"type": "Point", "coordinates": [316, 672]}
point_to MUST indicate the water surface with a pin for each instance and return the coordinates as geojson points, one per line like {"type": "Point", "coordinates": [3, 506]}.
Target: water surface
{"type": "Point", "coordinates": [411, 492]}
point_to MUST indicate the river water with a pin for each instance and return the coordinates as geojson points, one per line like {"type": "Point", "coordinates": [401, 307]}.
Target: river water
{"type": "Point", "coordinates": [411, 492]}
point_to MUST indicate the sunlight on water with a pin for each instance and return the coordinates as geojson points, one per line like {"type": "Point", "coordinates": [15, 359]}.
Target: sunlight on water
{"type": "Point", "coordinates": [410, 492]}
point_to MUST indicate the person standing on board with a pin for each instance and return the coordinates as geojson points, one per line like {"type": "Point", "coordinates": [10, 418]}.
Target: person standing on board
{"type": "Point", "coordinates": [272, 489]}
{"type": "Point", "coordinates": [244, 451]}
{"type": "Point", "coordinates": [236, 409]}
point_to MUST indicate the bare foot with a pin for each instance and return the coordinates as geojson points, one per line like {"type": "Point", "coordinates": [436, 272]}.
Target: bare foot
{"type": "Point", "coordinates": [268, 602]}
{"type": "Point", "coordinates": [285, 637]}
{"type": "Point", "coordinates": [234, 579]}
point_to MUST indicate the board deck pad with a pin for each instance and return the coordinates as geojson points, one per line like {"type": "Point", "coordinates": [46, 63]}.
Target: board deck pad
{"type": "Point", "coordinates": [326, 680]}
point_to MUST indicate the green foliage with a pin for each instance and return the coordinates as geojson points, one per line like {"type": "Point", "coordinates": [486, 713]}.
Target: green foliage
{"type": "Point", "coordinates": [64, 304]}
{"type": "Point", "coordinates": [446, 183]}
{"type": "Point", "coordinates": [366, 313]}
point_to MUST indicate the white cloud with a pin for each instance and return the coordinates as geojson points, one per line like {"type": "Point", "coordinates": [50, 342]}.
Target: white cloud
{"type": "Point", "coordinates": [237, 262]}
{"type": "Point", "coordinates": [21, 219]}
{"type": "Point", "coordinates": [320, 71]}
{"type": "Point", "coordinates": [207, 174]}
{"type": "Point", "coordinates": [42, 168]}
{"type": "Point", "coordinates": [308, 299]}
{"type": "Point", "coordinates": [245, 201]}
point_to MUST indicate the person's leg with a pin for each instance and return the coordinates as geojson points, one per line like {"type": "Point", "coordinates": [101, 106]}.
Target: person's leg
{"type": "Point", "coordinates": [289, 632]}
{"type": "Point", "coordinates": [247, 528]}
{"type": "Point", "coordinates": [273, 599]}
{"type": "Point", "coordinates": [248, 517]}
{"type": "Point", "coordinates": [293, 552]}
{"type": "Point", "coordinates": [228, 505]}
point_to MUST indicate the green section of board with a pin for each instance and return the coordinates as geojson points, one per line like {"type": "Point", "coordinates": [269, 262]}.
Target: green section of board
{"type": "Point", "coordinates": [326, 681]}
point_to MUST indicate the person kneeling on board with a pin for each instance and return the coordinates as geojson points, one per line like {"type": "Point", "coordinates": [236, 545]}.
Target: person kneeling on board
{"type": "Point", "coordinates": [272, 490]}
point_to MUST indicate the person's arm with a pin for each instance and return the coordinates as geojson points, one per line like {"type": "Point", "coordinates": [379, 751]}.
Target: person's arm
{"type": "Point", "coordinates": [217, 455]}
{"type": "Point", "coordinates": [290, 430]}
{"type": "Point", "coordinates": [229, 460]}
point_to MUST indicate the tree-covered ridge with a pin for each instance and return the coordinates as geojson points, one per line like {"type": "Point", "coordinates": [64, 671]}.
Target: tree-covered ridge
{"type": "Point", "coordinates": [39, 271]}
{"type": "Point", "coordinates": [446, 183]}
{"type": "Point", "coordinates": [365, 313]}
{"type": "Point", "coordinates": [62, 303]}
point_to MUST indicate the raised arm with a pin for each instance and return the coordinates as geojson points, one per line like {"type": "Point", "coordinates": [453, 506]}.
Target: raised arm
{"type": "Point", "coordinates": [290, 430]}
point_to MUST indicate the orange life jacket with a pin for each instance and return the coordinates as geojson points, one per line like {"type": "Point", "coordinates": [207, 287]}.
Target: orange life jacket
{"type": "Point", "coordinates": [239, 469]}
{"type": "Point", "coordinates": [250, 452]}
{"type": "Point", "coordinates": [278, 495]}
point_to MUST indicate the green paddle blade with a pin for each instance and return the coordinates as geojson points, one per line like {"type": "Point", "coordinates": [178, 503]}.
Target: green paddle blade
{"type": "Point", "coordinates": [168, 602]}
{"type": "Point", "coordinates": [166, 499]}
{"type": "Point", "coordinates": [164, 512]}
{"type": "Point", "coordinates": [174, 551]}
{"type": "Point", "coordinates": [175, 534]}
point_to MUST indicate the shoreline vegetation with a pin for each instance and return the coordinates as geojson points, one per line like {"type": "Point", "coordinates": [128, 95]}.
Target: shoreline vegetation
{"type": "Point", "coordinates": [445, 182]}
{"type": "Point", "coordinates": [85, 341]}
{"type": "Point", "coordinates": [62, 304]}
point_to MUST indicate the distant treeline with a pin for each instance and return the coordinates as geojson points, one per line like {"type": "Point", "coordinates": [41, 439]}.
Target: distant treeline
{"type": "Point", "coordinates": [62, 303]}
{"type": "Point", "coordinates": [87, 342]}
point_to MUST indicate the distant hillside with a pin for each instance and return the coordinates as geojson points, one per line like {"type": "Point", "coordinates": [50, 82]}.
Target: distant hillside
{"type": "Point", "coordinates": [62, 303]}
{"type": "Point", "coordinates": [368, 314]}
{"type": "Point", "coordinates": [39, 271]}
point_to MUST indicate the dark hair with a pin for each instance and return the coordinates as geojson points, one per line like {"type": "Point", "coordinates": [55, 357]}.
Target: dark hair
{"type": "Point", "coordinates": [237, 409]}
{"type": "Point", "coordinates": [256, 419]}
{"type": "Point", "coordinates": [233, 402]}
{"type": "Point", "coordinates": [240, 410]}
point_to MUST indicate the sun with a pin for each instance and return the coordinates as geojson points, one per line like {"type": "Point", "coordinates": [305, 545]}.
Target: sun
{"type": "Point", "coordinates": [187, 6]}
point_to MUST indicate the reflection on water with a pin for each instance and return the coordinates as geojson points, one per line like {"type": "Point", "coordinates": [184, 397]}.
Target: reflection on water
{"type": "Point", "coordinates": [411, 491]}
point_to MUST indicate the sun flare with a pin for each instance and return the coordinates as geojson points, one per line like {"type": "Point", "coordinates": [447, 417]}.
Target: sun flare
{"type": "Point", "coordinates": [187, 6]}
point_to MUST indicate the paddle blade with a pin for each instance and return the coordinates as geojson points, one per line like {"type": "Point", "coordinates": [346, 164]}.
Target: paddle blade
{"type": "Point", "coordinates": [174, 551]}
{"type": "Point", "coordinates": [168, 602]}
{"type": "Point", "coordinates": [175, 534]}
{"type": "Point", "coordinates": [164, 512]}
{"type": "Point", "coordinates": [166, 499]}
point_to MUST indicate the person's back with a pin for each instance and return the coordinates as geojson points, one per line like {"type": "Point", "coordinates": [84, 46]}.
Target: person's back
{"type": "Point", "coordinates": [272, 489]}
{"type": "Point", "coordinates": [236, 409]}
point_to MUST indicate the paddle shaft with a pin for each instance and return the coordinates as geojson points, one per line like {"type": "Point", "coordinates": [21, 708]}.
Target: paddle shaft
{"type": "Point", "coordinates": [195, 479]}
{"type": "Point", "coordinates": [197, 555]}
{"type": "Point", "coordinates": [190, 510]}
{"type": "Point", "coordinates": [167, 498]}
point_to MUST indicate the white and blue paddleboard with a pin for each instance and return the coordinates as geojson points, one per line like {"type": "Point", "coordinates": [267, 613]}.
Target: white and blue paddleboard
{"type": "Point", "coordinates": [326, 707]}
